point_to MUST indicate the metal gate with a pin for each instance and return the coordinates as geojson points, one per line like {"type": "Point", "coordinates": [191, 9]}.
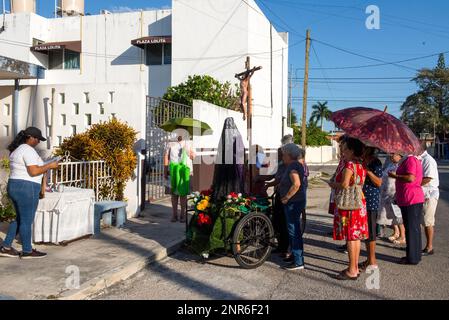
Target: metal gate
{"type": "Point", "coordinates": [158, 112]}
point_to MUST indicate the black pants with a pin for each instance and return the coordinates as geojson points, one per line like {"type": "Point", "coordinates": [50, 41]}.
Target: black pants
{"type": "Point", "coordinates": [412, 216]}
{"type": "Point", "coordinates": [280, 224]}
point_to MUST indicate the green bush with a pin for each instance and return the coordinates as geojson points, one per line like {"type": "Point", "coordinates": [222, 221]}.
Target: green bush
{"type": "Point", "coordinates": [207, 89]}
{"type": "Point", "coordinates": [110, 141]}
{"type": "Point", "coordinates": [7, 212]}
{"type": "Point", "coordinates": [315, 137]}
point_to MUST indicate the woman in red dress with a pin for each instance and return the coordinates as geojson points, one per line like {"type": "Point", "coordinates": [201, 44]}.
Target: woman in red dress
{"type": "Point", "coordinates": [351, 226]}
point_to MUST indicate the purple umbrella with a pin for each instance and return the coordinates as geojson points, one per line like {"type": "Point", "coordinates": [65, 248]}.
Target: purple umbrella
{"type": "Point", "coordinates": [377, 128]}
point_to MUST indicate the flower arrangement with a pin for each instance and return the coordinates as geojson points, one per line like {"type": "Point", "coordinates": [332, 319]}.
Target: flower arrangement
{"type": "Point", "coordinates": [202, 206]}
{"type": "Point", "coordinates": [236, 205]}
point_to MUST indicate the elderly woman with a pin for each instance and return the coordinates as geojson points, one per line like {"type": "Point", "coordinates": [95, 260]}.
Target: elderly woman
{"type": "Point", "coordinates": [410, 198]}
{"type": "Point", "coordinates": [389, 213]}
{"type": "Point", "coordinates": [351, 225]}
{"type": "Point", "coordinates": [292, 192]}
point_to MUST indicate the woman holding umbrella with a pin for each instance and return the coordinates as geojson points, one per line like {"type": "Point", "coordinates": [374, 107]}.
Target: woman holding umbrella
{"type": "Point", "coordinates": [383, 131]}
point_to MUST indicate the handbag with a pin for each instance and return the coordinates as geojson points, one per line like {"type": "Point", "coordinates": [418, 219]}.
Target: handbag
{"type": "Point", "coordinates": [351, 198]}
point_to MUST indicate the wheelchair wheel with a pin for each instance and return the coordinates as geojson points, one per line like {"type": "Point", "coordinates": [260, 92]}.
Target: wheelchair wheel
{"type": "Point", "coordinates": [252, 240]}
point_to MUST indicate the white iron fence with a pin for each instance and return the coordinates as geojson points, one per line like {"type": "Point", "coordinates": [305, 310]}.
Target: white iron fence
{"type": "Point", "coordinates": [94, 175]}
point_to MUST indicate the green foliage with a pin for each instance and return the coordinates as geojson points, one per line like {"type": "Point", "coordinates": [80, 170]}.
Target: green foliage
{"type": "Point", "coordinates": [315, 137]}
{"type": "Point", "coordinates": [207, 89]}
{"type": "Point", "coordinates": [110, 141]}
{"type": "Point", "coordinates": [429, 106]}
{"type": "Point", "coordinates": [320, 113]}
{"type": "Point", "coordinates": [7, 212]}
{"type": "Point", "coordinates": [4, 163]}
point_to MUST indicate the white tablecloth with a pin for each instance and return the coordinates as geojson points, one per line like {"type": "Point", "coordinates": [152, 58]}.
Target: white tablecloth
{"type": "Point", "coordinates": [64, 216]}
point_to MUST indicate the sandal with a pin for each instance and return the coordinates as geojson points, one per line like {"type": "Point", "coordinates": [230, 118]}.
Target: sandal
{"type": "Point", "coordinates": [398, 242]}
{"type": "Point", "coordinates": [343, 276]}
{"type": "Point", "coordinates": [393, 238]}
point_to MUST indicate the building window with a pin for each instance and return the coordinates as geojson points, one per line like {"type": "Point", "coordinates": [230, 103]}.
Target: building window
{"type": "Point", "coordinates": [86, 97]}
{"type": "Point", "coordinates": [167, 53]}
{"type": "Point", "coordinates": [71, 60]}
{"type": "Point", "coordinates": [158, 54]}
{"type": "Point", "coordinates": [7, 110]}
{"type": "Point", "coordinates": [62, 98]}
{"type": "Point", "coordinates": [73, 129]}
{"type": "Point", "coordinates": [55, 60]}
{"type": "Point", "coordinates": [63, 59]}
{"type": "Point", "coordinates": [76, 108]}
{"type": "Point", "coordinates": [6, 131]}
{"type": "Point", "coordinates": [59, 141]}
{"type": "Point", "coordinates": [63, 119]}
{"type": "Point", "coordinates": [88, 119]}
{"type": "Point", "coordinates": [111, 97]}
{"type": "Point", "coordinates": [100, 108]}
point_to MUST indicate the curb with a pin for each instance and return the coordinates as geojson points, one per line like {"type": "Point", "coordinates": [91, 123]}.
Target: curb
{"type": "Point", "coordinates": [118, 274]}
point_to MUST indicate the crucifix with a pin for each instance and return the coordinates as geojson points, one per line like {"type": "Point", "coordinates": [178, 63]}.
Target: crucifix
{"type": "Point", "coordinates": [246, 104]}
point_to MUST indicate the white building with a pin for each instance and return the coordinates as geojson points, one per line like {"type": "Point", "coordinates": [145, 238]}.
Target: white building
{"type": "Point", "coordinates": [104, 65]}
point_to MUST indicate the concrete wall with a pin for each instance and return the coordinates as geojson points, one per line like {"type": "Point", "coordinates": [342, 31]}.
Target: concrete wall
{"type": "Point", "coordinates": [319, 154]}
{"type": "Point", "coordinates": [234, 31]}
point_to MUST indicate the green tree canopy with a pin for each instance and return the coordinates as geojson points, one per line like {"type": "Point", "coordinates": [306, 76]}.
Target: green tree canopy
{"type": "Point", "coordinates": [430, 104]}
{"type": "Point", "coordinates": [207, 89]}
{"type": "Point", "coordinates": [315, 137]}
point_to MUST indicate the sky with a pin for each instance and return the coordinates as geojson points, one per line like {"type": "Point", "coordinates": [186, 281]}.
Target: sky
{"type": "Point", "coordinates": [343, 49]}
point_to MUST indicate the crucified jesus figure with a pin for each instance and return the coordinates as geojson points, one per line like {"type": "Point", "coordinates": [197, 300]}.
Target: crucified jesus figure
{"type": "Point", "coordinates": [245, 78]}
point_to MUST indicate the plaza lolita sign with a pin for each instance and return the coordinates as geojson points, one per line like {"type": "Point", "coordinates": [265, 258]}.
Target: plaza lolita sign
{"type": "Point", "coordinates": [47, 47]}
{"type": "Point", "coordinates": [141, 42]}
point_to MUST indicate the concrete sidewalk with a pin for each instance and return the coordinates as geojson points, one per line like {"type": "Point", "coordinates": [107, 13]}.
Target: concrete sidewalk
{"type": "Point", "coordinates": [102, 260]}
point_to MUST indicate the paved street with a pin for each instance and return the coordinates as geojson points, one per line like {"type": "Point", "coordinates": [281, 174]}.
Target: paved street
{"type": "Point", "coordinates": [183, 276]}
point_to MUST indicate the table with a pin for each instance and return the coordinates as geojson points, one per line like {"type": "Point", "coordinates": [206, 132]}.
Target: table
{"type": "Point", "coordinates": [64, 216]}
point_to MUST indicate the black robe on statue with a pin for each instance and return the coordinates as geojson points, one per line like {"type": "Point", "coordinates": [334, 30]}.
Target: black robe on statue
{"type": "Point", "coordinates": [229, 165]}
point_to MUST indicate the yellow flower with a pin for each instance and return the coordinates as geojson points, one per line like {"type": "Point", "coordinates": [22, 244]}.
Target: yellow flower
{"type": "Point", "coordinates": [202, 205]}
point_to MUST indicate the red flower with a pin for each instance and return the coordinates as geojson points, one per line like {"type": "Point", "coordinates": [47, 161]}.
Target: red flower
{"type": "Point", "coordinates": [234, 195]}
{"type": "Point", "coordinates": [207, 193]}
{"type": "Point", "coordinates": [204, 219]}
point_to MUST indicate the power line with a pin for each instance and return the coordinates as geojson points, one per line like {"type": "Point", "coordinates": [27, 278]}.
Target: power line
{"type": "Point", "coordinates": [364, 56]}
{"type": "Point", "coordinates": [378, 65]}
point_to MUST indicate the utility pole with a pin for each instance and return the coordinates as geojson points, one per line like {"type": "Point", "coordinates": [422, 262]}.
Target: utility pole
{"type": "Point", "coordinates": [290, 106]}
{"type": "Point", "coordinates": [306, 83]}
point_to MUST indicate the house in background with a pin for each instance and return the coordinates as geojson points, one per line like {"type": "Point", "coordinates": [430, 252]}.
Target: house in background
{"type": "Point", "coordinates": [106, 65]}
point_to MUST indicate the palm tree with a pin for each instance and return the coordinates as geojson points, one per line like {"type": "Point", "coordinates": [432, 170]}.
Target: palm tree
{"type": "Point", "coordinates": [320, 113]}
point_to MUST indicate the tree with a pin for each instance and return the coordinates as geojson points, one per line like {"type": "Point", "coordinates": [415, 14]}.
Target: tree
{"type": "Point", "coordinates": [315, 137]}
{"type": "Point", "coordinates": [292, 118]}
{"type": "Point", "coordinates": [320, 113]}
{"type": "Point", "coordinates": [430, 105]}
{"type": "Point", "coordinates": [207, 89]}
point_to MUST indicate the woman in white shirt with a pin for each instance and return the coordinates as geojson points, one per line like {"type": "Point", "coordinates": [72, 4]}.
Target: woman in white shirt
{"type": "Point", "coordinates": [24, 186]}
